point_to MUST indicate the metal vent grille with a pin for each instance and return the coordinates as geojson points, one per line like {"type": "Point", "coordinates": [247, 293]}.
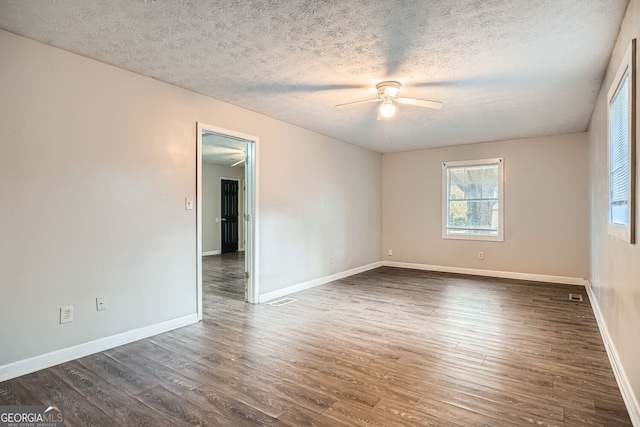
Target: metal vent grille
{"type": "Point", "coordinates": [575, 297]}
{"type": "Point", "coordinates": [283, 301]}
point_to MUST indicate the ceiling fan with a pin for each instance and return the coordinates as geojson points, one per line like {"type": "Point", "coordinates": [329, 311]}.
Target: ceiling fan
{"type": "Point", "coordinates": [388, 95]}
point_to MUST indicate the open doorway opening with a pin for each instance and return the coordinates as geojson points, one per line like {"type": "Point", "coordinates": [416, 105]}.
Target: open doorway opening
{"type": "Point", "coordinates": [226, 212]}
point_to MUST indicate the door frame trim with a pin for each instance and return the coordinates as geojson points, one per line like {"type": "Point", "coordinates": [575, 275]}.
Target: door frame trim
{"type": "Point", "coordinates": [252, 246]}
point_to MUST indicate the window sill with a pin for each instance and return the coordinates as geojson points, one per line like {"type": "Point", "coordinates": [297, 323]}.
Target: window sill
{"type": "Point", "coordinates": [498, 238]}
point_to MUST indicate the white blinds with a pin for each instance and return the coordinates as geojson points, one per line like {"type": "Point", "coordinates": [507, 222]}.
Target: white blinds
{"type": "Point", "coordinates": [619, 154]}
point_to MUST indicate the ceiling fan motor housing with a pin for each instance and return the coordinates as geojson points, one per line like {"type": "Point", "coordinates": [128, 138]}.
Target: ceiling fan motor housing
{"type": "Point", "coordinates": [388, 89]}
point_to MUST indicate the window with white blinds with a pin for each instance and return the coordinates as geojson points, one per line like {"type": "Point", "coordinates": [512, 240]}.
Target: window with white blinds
{"type": "Point", "coordinates": [621, 141]}
{"type": "Point", "coordinates": [619, 154]}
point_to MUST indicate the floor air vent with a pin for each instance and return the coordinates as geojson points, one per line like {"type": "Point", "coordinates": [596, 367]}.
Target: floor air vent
{"type": "Point", "coordinates": [575, 297]}
{"type": "Point", "coordinates": [283, 301]}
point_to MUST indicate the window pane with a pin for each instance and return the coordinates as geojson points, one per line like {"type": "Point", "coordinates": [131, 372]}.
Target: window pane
{"type": "Point", "coordinates": [619, 214]}
{"type": "Point", "coordinates": [458, 214]}
{"type": "Point", "coordinates": [480, 214]}
{"type": "Point", "coordinates": [473, 214]}
{"type": "Point", "coordinates": [455, 192]}
{"type": "Point", "coordinates": [457, 175]}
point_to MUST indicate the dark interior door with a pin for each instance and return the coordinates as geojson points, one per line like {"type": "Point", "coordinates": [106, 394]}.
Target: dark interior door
{"type": "Point", "coordinates": [229, 215]}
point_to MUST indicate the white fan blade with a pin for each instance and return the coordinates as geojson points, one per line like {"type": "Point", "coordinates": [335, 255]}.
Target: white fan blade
{"type": "Point", "coordinates": [359, 102]}
{"type": "Point", "coordinates": [420, 102]}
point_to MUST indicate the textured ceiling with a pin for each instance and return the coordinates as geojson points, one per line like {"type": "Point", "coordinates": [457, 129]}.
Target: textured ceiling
{"type": "Point", "coordinates": [502, 68]}
{"type": "Point", "coordinates": [222, 150]}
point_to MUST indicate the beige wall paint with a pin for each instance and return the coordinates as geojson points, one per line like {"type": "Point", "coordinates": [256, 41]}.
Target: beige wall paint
{"type": "Point", "coordinates": [546, 207]}
{"type": "Point", "coordinates": [95, 163]}
{"type": "Point", "coordinates": [211, 174]}
{"type": "Point", "coordinates": [615, 265]}
{"type": "Point", "coordinates": [326, 223]}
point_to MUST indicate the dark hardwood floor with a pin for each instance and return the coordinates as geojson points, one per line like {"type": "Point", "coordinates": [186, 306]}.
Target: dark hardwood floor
{"type": "Point", "coordinates": [389, 347]}
{"type": "Point", "coordinates": [222, 278]}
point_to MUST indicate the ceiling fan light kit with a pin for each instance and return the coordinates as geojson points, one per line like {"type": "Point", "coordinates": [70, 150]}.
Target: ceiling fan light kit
{"type": "Point", "coordinates": [388, 95]}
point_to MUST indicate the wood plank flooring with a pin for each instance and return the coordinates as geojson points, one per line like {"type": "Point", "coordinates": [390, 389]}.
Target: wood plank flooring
{"type": "Point", "coordinates": [389, 347]}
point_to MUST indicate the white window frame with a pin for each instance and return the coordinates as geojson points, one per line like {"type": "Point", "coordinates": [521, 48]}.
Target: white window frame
{"type": "Point", "coordinates": [445, 199]}
{"type": "Point", "coordinates": [627, 68]}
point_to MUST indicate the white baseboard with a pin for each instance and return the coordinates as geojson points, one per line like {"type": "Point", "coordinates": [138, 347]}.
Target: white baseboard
{"type": "Point", "coordinates": [27, 366]}
{"type": "Point", "coordinates": [630, 400]}
{"type": "Point", "coordinates": [218, 252]}
{"type": "Point", "coordinates": [317, 282]}
{"type": "Point", "coordinates": [490, 273]}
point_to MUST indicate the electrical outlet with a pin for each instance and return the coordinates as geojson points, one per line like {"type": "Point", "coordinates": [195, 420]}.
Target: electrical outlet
{"type": "Point", "coordinates": [66, 314]}
{"type": "Point", "coordinates": [390, 252]}
{"type": "Point", "coordinates": [101, 303]}
{"type": "Point", "coordinates": [480, 255]}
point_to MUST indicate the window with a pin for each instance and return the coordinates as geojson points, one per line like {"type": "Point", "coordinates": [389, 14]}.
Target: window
{"type": "Point", "coordinates": [473, 205]}
{"type": "Point", "coordinates": [621, 149]}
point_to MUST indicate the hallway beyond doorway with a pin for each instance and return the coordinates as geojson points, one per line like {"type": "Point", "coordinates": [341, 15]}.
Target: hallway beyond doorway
{"type": "Point", "coordinates": [222, 278]}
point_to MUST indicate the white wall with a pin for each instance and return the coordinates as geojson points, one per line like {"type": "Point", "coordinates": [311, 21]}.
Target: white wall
{"type": "Point", "coordinates": [211, 174]}
{"type": "Point", "coordinates": [545, 215]}
{"type": "Point", "coordinates": [95, 163]}
{"type": "Point", "coordinates": [320, 208]}
{"type": "Point", "coordinates": [615, 265]}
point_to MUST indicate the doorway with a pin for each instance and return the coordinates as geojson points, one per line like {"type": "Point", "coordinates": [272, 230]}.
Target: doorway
{"type": "Point", "coordinates": [235, 151]}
